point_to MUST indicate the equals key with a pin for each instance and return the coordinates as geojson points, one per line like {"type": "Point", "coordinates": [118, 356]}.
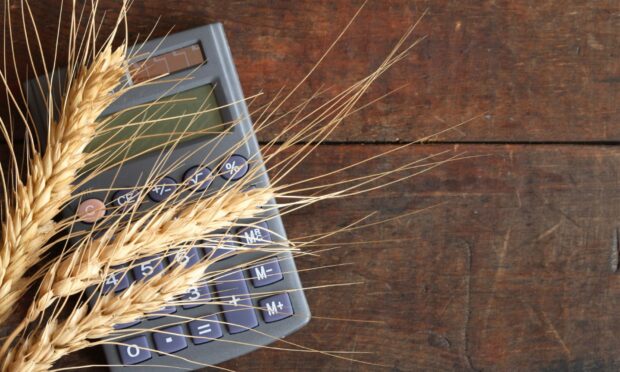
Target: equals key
{"type": "Point", "coordinates": [205, 330]}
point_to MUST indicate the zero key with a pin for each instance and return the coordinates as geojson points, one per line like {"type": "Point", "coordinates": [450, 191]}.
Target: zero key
{"type": "Point", "coordinates": [134, 350]}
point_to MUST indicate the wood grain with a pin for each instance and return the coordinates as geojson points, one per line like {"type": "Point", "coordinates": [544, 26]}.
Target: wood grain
{"type": "Point", "coordinates": [518, 270]}
{"type": "Point", "coordinates": [543, 71]}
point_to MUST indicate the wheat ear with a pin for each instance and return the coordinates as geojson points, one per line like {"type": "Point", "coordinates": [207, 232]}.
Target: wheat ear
{"type": "Point", "coordinates": [148, 235]}
{"type": "Point", "coordinates": [39, 351]}
{"type": "Point", "coordinates": [29, 221]}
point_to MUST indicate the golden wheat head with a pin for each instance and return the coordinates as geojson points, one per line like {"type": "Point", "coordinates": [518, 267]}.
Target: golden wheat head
{"type": "Point", "coordinates": [28, 223]}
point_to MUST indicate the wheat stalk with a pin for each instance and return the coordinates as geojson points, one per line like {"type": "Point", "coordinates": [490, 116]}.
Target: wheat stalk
{"type": "Point", "coordinates": [29, 220]}
{"type": "Point", "coordinates": [56, 339]}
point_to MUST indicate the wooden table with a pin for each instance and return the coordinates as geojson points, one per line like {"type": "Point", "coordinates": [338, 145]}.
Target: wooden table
{"type": "Point", "coordinates": [518, 267]}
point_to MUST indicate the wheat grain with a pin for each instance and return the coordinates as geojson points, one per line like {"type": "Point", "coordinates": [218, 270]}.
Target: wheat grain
{"type": "Point", "coordinates": [29, 220]}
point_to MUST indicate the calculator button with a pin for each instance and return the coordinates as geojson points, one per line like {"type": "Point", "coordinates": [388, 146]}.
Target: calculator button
{"type": "Point", "coordinates": [225, 246]}
{"type": "Point", "coordinates": [205, 330]}
{"type": "Point", "coordinates": [163, 189]}
{"type": "Point", "coordinates": [276, 307]}
{"type": "Point", "coordinates": [170, 340]}
{"type": "Point", "coordinates": [255, 236]}
{"type": "Point", "coordinates": [197, 178]}
{"type": "Point", "coordinates": [117, 280]}
{"type": "Point", "coordinates": [265, 273]}
{"type": "Point", "coordinates": [185, 257]}
{"type": "Point", "coordinates": [237, 308]}
{"type": "Point", "coordinates": [148, 267]}
{"type": "Point", "coordinates": [134, 350]}
{"type": "Point", "coordinates": [91, 210]}
{"type": "Point", "coordinates": [126, 325]}
{"type": "Point", "coordinates": [196, 296]}
{"type": "Point", "coordinates": [162, 312]}
{"type": "Point", "coordinates": [125, 198]}
{"type": "Point", "coordinates": [234, 168]}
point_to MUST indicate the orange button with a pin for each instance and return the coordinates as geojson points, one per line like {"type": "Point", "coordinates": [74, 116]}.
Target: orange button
{"type": "Point", "coordinates": [91, 210]}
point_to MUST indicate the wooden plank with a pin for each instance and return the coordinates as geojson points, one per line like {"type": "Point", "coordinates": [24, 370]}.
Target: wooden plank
{"type": "Point", "coordinates": [517, 270]}
{"type": "Point", "coordinates": [541, 71]}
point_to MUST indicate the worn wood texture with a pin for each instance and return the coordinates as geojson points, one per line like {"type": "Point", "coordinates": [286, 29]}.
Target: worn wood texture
{"type": "Point", "coordinates": [518, 269]}
{"type": "Point", "coordinates": [539, 70]}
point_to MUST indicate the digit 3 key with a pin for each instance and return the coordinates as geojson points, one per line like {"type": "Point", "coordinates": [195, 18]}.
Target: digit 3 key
{"type": "Point", "coordinates": [258, 302]}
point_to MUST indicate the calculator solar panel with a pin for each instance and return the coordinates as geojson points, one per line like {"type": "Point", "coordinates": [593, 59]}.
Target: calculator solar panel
{"type": "Point", "coordinates": [258, 302]}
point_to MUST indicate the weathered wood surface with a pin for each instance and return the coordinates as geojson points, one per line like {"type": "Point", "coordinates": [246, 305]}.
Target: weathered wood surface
{"type": "Point", "coordinates": [541, 71]}
{"type": "Point", "coordinates": [518, 270]}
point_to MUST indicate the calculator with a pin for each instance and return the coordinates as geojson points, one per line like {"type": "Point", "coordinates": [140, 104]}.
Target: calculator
{"type": "Point", "coordinates": [259, 300]}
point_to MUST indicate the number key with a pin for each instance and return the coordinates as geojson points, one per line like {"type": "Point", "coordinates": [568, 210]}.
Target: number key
{"type": "Point", "coordinates": [196, 296]}
{"type": "Point", "coordinates": [117, 280]}
{"type": "Point", "coordinates": [147, 268]}
{"type": "Point", "coordinates": [185, 257]}
{"type": "Point", "coordinates": [134, 350]}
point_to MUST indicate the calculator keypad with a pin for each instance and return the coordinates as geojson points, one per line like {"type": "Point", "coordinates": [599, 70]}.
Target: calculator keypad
{"type": "Point", "coordinates": [240, 315]}
{"type": "Point", "coordinates": [231, 292]}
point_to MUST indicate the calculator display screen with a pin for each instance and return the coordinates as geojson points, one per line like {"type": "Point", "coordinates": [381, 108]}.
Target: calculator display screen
{"type": "Point", "coordinates": [157, 125]}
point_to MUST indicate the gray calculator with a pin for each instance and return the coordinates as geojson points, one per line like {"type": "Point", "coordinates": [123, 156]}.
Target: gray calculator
{"type": "Point", "coordinates": [258, 303]}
